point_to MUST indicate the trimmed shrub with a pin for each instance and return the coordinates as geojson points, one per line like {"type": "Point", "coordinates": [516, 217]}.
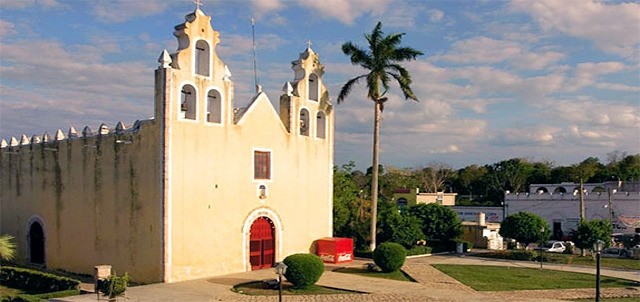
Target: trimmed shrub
{"type": "Point", "coordinates": [419, 250]}
{"type": "Point", "coordinates": [114, 286]}
{"type": "Point", "coordinates": [35, 281]}
{"type": "Point", "coordinates": [521, 255]}
{"type": "Point", "coordinates": [303, 269]}
{"type": "Point", "coordinates": [389, 256]}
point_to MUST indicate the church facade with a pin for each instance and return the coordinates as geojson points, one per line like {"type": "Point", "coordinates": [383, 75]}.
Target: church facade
{"type": "Point", "coordinates": [201, 189]}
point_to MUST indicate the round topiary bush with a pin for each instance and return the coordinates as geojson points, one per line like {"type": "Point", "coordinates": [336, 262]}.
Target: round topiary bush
{"type": "Point", "coordinates": [389, 256]}
{"type": "Point", "coordinates": [303, 269]}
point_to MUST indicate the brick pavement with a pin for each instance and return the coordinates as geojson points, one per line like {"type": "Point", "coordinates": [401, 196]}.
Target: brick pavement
{"type": "Point", "coordinates": [432, 285]}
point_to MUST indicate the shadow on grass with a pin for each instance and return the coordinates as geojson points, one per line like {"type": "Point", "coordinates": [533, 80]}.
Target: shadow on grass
{"type": "Point", "coordinates": [397, 275]}
{"type": "Point", "coordinates": [264, 288]}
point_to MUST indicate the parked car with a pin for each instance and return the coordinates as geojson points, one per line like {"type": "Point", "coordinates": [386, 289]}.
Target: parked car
{"type": "Point", "coordinates": [616, 252]}
{"type": "Point", "coordinates": [552, 247]}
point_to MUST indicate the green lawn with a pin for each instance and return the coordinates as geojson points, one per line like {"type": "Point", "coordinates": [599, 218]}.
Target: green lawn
{"type": "Point", "coordinates": [397, 275]}
{"type": "Point", "coordinates": [500, 278]}
{"type": "Point", "coordinates": [259, 288]}
{"type": "Point", "coordinates": [621, 263]}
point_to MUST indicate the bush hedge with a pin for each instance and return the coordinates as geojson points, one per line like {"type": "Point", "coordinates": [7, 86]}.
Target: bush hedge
{"type": "Point", "coordinates": [36, 282]}
{"type": "Point", "coordinates": [389, 256]}
{"type": "Point", "coordinates": [419, 250]}
{"type": "Point", "coordinates": [303, 269]}
{"type": "Point", "coordinates": [114, 285]}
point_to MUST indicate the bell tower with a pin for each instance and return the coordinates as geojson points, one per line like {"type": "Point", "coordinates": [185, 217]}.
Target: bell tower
{"type": "Point", "coordinates": [193, 85]}
{"type": "Point", "coordinates": [305, 109]}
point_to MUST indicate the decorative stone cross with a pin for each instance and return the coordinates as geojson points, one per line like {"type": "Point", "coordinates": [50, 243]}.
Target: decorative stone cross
{"type": "Point", "coordinates": [198, 3]}
{"type": "Point", "coordinates": [309, 44]}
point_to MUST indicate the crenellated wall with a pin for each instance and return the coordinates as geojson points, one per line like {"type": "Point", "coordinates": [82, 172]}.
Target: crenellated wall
{"type": "Point", "coordinates": [97, 196]}
{"type": "Point", "coordinates": [564, 208]}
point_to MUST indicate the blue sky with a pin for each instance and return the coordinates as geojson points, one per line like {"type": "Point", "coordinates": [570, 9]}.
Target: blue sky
{"type": "Point", "coordinates": [545, 80]}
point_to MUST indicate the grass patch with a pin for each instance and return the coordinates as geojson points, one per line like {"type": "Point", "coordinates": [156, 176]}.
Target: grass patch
{"type": "Point", "coordinates": [397, 275]}
{"type": "Point", "coordinates": [500, 278]}
{"type": "Point", "coordinates": [260, 288]}
{"type": "Point", "coordinates": [619, 263]}
{"type": "Point", "coordinates": [8, 292]}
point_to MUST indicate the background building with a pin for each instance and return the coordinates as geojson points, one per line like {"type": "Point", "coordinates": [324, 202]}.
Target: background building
{"type": "Point", "coordinates": [559, 204]}
{"type": "Point", "coordinates": [201, 189]}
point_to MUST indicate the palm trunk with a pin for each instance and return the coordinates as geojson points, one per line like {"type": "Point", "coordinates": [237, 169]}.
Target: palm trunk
{"type": "Point", "coordinates": [374, 174]}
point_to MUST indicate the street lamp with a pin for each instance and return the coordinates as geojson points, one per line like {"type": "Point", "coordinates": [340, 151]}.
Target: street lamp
{"type": "Point", "coordinates": [281, 269]}
{"type": "Point", "coordinates": [597, 248]}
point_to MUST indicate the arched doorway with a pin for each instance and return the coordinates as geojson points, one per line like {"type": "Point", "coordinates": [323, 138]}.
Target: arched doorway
{"type": "Point", "coordinates": [36, 243]}
{"type": "Point", "coordinates": [262, 244]}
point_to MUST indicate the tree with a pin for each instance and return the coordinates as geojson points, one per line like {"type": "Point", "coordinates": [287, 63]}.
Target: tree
{"type": "Point", "coordinates": [589, 232]}
{"type": "Point", "coordinates": [382, 61]}
{"type": "Point", "coordinates": [398, 227]}
{"type": "Point", "coordinates": [7, 247]}
{"type": "Point", "coordinates": [434, 176]}
{"type": "Point", "coordinates": [350, 210]}
{"type": "Point", "coordinates": [525, 227]}
{"type": "Point", "coordinates": [438, 222]}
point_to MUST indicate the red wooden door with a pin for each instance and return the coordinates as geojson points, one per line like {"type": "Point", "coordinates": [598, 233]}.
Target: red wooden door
{"type": "Point", "coordinates": [261, 244]}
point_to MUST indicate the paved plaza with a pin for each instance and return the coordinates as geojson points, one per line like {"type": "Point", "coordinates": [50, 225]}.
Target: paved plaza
{"type": "Point", "coordinates": [432, 285]}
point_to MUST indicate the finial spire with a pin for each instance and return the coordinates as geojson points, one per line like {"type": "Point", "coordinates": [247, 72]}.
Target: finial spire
{"type": "Point", "coordinates": [308, 44]}
{"type": "Point", "coordinates": [198, 3]}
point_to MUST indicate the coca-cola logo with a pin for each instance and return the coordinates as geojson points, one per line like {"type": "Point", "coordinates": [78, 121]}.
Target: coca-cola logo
{"type": "Point", "coordinates": [344, 257]}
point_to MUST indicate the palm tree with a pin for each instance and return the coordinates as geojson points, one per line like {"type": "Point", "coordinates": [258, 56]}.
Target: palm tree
{"type": "Point", "coordinates": [7, 247]}
{"type": "Point", "coordinates": [381, 60]}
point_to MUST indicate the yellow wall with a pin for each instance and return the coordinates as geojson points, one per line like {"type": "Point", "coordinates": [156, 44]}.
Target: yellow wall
{"type": "Point", "coordinates": [213, 198]}
{"type": "Point", "coordinates": [98, 201]}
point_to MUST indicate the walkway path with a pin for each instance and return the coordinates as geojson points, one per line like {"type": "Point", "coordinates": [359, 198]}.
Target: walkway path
{"type": "Point", "coordinates": [432, 285]}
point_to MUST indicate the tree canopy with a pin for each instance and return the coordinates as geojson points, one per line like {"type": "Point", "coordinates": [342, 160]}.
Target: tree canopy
{"type": "Point", "coordinates": [525, 228]}
{"type": "Point", "coordinates": [589, 232]}
{"type": "Point", "coordinates": [438, 222]}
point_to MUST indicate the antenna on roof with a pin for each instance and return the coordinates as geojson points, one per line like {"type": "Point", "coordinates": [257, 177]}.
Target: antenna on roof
{"type": "Point", "coordinates": [255, 59]}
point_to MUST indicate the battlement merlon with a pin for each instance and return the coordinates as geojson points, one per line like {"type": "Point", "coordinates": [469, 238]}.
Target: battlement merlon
{"type": "Point", "coordinates": [26, 143]}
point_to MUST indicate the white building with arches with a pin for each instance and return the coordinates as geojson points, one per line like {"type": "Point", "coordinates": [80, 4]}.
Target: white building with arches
{"type": "Point", "coordinates": [559, 204]}
{"type": "Point", "coordinates": [202, 189]}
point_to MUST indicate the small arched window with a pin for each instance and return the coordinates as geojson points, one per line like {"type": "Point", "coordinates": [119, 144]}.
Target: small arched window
{"type": "Point", "coordinates": [321, 130]}
{"type": "Point", "coordinates": [188, 102]}
{"type": "Point", "coordinates": [304, 122]}
{"type": "Point", "coordinates": [214, 107]}
{"type": "Point", "coordinates": [313, 87]}
{"type": "Point", "coordinates": [202, 58]}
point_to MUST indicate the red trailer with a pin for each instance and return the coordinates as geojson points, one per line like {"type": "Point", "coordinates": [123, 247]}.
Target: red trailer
{"type": "Point", "coordinates": [335, 250]}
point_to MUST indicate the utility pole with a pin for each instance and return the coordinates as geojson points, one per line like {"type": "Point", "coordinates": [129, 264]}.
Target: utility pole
{"type": "Point", "coordinates": [582, 216]}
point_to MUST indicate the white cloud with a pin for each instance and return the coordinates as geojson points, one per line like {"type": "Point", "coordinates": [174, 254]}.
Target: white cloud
{"type": "Point", "coordinates": [346, 11]}
{"type": "Point", "coordinates": [586, 74]}
{"type": "Point", "coordinates": [22, 4]}
{"type": "Point", "coordinates": [479, 50]}
{"type": "Point", "coordinates": [262, 7]}
{"type": "Point", "coordinates": [612, 27]}
{"type": "Point", "coordinates": [436, 15]}
{"type": "Point", "coordinates": [526, 136]}
{"type": "Point", "coordinates": [116, 11]}
{"type": "Point", "coordinates": [6, 29]}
